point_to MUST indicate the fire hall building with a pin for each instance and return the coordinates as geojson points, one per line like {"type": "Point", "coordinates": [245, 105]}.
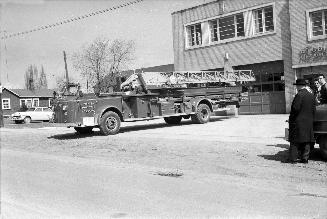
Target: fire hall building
{"type": "Point", "coordinates": [279, 40]}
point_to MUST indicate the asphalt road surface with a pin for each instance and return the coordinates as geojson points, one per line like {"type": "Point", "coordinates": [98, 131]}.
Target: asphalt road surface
{"type": "Point", "coordinates": [228, 168]}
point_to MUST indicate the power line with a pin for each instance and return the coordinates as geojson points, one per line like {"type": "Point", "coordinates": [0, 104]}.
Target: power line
{"type": "Point", "coordinates": [69, 20]}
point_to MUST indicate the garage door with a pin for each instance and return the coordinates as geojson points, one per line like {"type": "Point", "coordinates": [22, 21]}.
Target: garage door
{"type": "Point", "coordinates": [264, 103]}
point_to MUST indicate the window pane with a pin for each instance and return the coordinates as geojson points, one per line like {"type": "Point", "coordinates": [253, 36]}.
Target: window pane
{"type": "Point", "coordinates": [325, 12]}
{"type": "Point", "coordinates": [267, 87]}
{"type": "Point", "coordinates": [28, 103]}
{"type": "Point", "coordinates": [226, 28]}
{"type": "Point", "coordinates": [5, 104]}
{"type": "Point", "coordinates": [266, 77]}
{"type": "Point", "coordinates": [189, 36]}
{"type": "Point", "coordinates": [35, 102]}
{"type": "Point", "coordinates": [280, 86]}
{"type": "Point", "coordinates": [198, 34]}
{"type": "Point", "coordinates": [258, 21]}
{"type": "Point", "coordinates": [257, 88]}
{"type": "Point", "coordinates": [194, 35]}
{"type": "Point", "coordinates": [214, 30]}
{"type": "Point", "coordinates": [240, 25]}
{"type": "Point", "coordinates": [269, 19]}
{"type": "Point", "coordinates": [316, 22]}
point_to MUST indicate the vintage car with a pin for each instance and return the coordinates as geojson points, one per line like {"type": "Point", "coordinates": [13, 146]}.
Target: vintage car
{"type": "Point", "coordinates": [33, 114]}
{"type": "Point", "coordinates": [320, 128]}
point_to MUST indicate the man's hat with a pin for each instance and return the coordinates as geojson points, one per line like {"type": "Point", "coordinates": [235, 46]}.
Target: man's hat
{"type": "Point", "coordinates": [300, 82]}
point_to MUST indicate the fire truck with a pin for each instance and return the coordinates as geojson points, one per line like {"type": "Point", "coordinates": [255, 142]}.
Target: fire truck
{"type": "Point", "coordinates": [172, 96]}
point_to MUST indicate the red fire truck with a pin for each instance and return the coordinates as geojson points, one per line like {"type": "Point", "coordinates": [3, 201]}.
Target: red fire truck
{"type": "Point", "coordinates": [171, 95]}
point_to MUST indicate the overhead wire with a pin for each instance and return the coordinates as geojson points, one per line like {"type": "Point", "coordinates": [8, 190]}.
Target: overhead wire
{"type": "Point", "coordinates": [66, 21]}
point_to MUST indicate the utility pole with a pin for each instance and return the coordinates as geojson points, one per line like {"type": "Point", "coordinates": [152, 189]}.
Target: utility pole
{"type": "Point", "coordinates": [1, 55]}
{"type": "Point", "coordinates": [66, 70]}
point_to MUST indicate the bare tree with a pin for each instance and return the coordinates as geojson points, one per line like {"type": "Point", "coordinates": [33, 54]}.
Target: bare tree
{"type": "Point", "coordinates": [32, 79]}
{"type": "Point", "coordinates": [101, 61]}
{"type": "Point", "coordinates": [43, 82]}
{"type": "Point", "coordinates": [31, 75]}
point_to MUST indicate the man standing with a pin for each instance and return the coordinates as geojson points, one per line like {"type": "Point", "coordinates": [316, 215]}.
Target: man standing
{"type": "Point", "coordinates": [316, 90]}
{"type": "Point", "coordinates": [301, 123]}
{"type": "Point", "coordinates": [323, 89]}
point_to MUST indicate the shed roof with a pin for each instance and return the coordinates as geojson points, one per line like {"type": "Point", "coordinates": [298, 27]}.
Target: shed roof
{"type": "Point", "coordinates": [29, 93]}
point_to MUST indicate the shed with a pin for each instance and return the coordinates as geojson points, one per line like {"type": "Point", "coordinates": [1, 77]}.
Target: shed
{"type": "Point", "coordinates": [13, 99]}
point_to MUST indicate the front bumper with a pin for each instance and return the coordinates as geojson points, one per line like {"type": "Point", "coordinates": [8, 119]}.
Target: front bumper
{"type": "Point", "coordinates": [16, 118]}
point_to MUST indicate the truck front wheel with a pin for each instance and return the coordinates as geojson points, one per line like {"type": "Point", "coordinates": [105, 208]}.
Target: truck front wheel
{"type": "Point", "coordinates": [109, 123]}
{"type": "Point", "coordinates": [173, 120]}
{"type": "Point", "coordinates": [323, 146]}
{"type": "Point", "coordinates": [202, 114]}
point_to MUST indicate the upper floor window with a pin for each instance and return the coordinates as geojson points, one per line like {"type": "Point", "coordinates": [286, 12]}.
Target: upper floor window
{"type": "Point", "coordinates": [227, 27]}
{"type": "Point", "coordinates": [194, 35]}
{"type": "Point", "coordinates": [318, 24]}
{"type": "Point", "coordinates": [264, 20]}
{"type": "Point", "coordinates": [5, 103]}
{"type": "Point", "coordinates": [251, 22]}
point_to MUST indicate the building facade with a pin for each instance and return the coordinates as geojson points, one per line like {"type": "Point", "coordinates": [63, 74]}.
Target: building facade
{"type": "Point", "coordinates": [246, 34]}
{"type": "Point", "coordinates": [309, 38]}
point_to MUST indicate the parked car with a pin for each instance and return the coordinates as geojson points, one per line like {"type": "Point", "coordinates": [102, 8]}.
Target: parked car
{"type": "Point", "coordinates": [33, 114]}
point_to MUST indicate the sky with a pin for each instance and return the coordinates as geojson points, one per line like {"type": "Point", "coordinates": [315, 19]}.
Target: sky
{"type": "Point", "coordinates": [148, 23]}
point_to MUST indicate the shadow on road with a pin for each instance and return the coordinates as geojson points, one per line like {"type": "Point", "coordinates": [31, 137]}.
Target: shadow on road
{"type": "Point", "coordinates": [282, 156]}
{"type": "Point", "coordinates": [285, 146]}
{"type": "Point", "coordinates": [74, 135]}
{"type": "Point", "coordinates": [141, 127]}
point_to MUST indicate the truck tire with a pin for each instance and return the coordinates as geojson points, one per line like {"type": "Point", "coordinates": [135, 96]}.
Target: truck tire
{"type": "Point", "coordinates": [323, 146]}
{"type": "Point", "coordinates": [173, 120]}
{"type": "Point", "coordinates": [83, 130]}
{"type": "Point", "coordinates": [27, 119]}
{"type": "Point", "coordinates": [202, 114]}
{"type": "Point", "coordinates": [109, 123]}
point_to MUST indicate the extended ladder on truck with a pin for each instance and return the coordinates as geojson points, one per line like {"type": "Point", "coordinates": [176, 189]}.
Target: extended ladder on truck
{"type": "Point", "coordinates": [187, 79]}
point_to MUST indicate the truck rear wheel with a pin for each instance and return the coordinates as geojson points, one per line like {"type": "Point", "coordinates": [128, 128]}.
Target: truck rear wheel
{"type": "Point", "coordinates": [83, 130]}
{"type": "Point", "coordinates": [202, 114]}
{"type": "Point", "coordinates": [323, 146]}
{"type": "Point", "coordinates": [109, 123]}
{"type": "Point", "coordinates": [173, 120]}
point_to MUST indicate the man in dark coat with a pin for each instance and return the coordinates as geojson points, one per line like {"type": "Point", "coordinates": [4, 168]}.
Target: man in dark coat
{"type": "Point", "coordinates": [323, 89]}
{"type": "Point", "coordinates": [301, 123]}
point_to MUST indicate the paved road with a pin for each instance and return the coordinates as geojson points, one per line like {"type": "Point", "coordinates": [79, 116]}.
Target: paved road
{"type": "Point", "coordinates": [39, 186]}
{"type": "Point", "coordinates": [224, 179]}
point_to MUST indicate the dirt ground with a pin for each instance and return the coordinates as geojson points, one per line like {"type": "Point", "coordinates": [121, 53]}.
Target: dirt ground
{"type": "Point", "coordinates": [249, 149]}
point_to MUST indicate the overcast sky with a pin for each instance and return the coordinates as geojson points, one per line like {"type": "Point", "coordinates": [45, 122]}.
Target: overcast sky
{"type": "Point", "coordinates": [148, 23]}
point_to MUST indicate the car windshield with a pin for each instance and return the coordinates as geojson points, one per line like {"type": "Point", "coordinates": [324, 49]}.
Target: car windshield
{"type": "Point", "coordinates": [30, 109]}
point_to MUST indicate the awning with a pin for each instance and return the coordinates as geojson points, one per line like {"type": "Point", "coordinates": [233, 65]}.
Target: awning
{"type": "Point", "coordinates": [304, 65]}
